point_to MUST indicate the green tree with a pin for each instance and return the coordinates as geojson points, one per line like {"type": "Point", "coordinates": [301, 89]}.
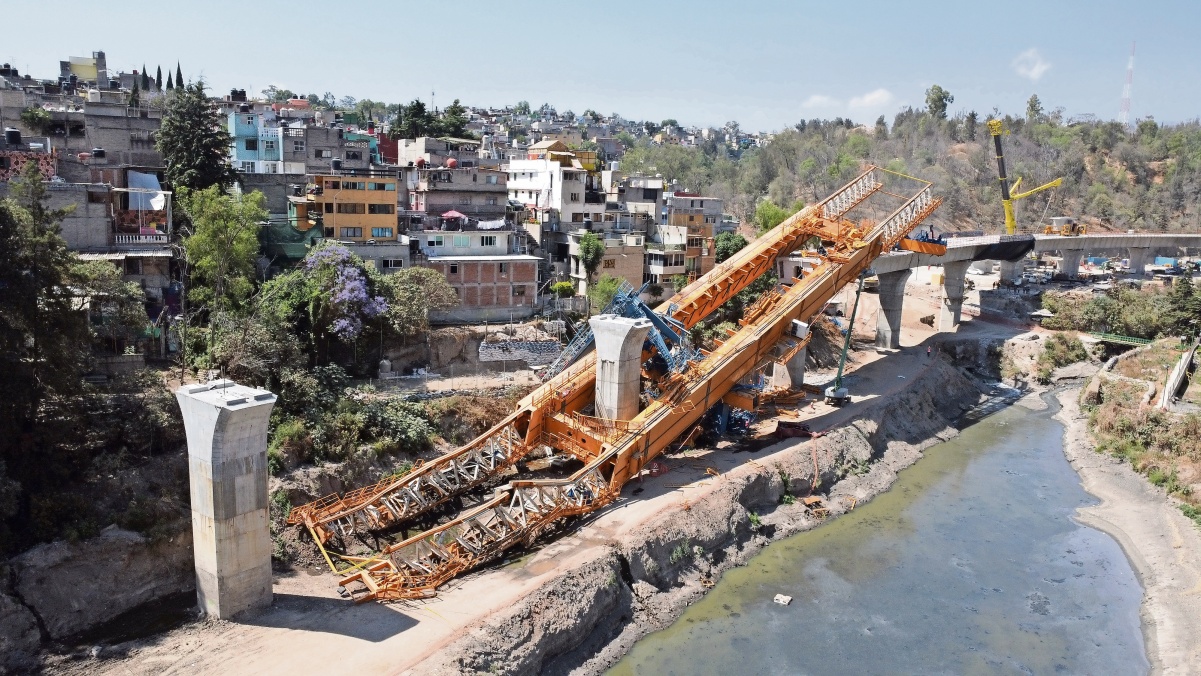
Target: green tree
{"type": "Point", "coordinates": [669, 122]}
{"type": "Point", "coordinates": [602, 292]}
{"type": "Point", "coordinates": [278, 95]}
{"type": "Point", "coordinates": [158, 78]}
{"type": "Point", "coordinates": [412, 294]}
{"type": "Point", "coordinates": [592, 250]}
{"type": "Point", "coordinates": [1034, 109]}
{"type": "Point", "coordinates": [969, 125]}
{"type": "Point", "coordinates": [563, 289]}
{"type": "Point", "coordinates": [768, 215]}
{"type": "Point", "coordinates": [36, 119]}
{"type": "Point", "coordinates": [881, 128]}
{"type": "Point", "coordinates": [179, 83]}
{"type": "Point", "coordinates": [194, 142]}
{"type": "Point", "coordinates": [146, 82]}
{"type": "Point", "coordinates": [727, 244]}
{"type": "Point", "coordinates": [170, 82]}
{"type": "Point", "coordinates": [116, 308]}
{"type": "Point", "coordinates": [937, 100]}
{"type": "Point", "coordinates": [454, 120]}
{"type": "Point", "coordinates": [221, 244]}
{"type": "Point", "coordinates": [135, 98]}
{"type": "Point", "coordinates": [522, 108]}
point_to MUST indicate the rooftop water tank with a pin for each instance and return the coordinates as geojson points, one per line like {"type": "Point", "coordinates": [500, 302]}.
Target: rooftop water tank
{"type": "Point", "coordinates": [12, 136]}
{"type": "Point", "coordinates": [98, 153]}
{"type": "Point", "coordinates": [452, 163]}
{"type": "Point", "coordinates": [336, 164]}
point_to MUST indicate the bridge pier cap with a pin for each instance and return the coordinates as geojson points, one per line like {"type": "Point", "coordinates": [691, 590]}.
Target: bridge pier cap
{"type": "Point", "coordinates": [226, 426]}
{"type": "Point", "coordinates": [618, 364]}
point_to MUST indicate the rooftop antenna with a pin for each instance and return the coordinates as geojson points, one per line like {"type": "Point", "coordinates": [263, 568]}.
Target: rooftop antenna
{"type": "Point", "coordinates": [1124, 113]}
{"type": "Point", "coordinates": [433, 105]}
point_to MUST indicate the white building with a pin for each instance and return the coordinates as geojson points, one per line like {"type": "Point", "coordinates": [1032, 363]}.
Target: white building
{"type": "Point", "coordinates": [546, 184]}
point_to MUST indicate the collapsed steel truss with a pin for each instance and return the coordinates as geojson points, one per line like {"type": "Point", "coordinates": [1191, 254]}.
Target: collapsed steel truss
{"type": "Point", "coordinates": [614, 451]}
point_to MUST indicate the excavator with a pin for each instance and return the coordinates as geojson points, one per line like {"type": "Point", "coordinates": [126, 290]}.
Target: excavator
{"type": "Point", "coordinates": [996, 129]}
{"type": "Point", "coordinates": [679, 385]}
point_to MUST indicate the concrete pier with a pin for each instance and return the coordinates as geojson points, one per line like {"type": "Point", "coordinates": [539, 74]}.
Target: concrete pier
{"type": "Point", "coordinates": [1139, 258]}
{"type": "Point", "coordinates": [226, 426]}
{"type": "Point", "coordinates": [1011, 271]}
{"type": "Point", "coordinates": [952, 301]}
{"type": "Point", "coordinates": [1069, 265]}
{"type": "Point", "coordinates": [892, 298]}
{"type": "Point", "coordinates": [618, 364]}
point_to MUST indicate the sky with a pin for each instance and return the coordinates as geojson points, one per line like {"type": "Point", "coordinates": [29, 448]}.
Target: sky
{"type": "Point", "coordinates": [765, 64]}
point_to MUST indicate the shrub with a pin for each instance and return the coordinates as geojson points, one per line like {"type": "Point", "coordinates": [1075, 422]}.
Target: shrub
{"type": "Point", "coordinates": [563, 289]}
{"type": "Point", "coordinates": [681, 552]}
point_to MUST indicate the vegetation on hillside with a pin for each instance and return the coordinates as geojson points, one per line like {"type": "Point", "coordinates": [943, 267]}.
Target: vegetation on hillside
{"type": "Point", "coordinates": [1142, 313]}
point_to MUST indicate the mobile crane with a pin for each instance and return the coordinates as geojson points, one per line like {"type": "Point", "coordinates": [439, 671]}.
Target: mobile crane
{"type": "Point", "coordinates": [996, 129]}
{"type": "Point", "coordinates": [681, 384]}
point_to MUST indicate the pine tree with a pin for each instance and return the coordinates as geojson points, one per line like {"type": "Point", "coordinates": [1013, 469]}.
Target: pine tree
{"type": "Point", "coordinates": [178, 76]}
{"type": "Point", "coordinates": [194, 141]}
{"type": "Point", "coordinates": [145, 79]}
{"type": "Point", "coordinates": [170, 83]}
{"type": "Point", "coordinates": [158, 79]}
{"type": "Point", "coordinates": [135, 98]}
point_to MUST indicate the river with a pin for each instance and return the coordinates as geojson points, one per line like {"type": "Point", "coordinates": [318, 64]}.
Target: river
{"type": "Point", "coordinates": [970, 564]}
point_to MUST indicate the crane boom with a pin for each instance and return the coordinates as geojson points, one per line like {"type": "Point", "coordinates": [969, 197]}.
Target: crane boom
{"type": "Point", "coordinates": [996, 130]}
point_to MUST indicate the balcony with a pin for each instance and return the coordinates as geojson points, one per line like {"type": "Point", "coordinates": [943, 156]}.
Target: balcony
{"type": "Point", "coordinates": [140, 240]}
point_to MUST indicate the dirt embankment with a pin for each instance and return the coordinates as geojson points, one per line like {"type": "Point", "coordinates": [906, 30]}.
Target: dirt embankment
{"type": "Point", "coordinates": [1163, 546]}
{"type": "Point", "coordinates": [638, 579]}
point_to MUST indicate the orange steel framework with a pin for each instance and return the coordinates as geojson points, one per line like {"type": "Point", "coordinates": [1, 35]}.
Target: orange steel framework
{"type": "Point", "coordinates": [613, 451]}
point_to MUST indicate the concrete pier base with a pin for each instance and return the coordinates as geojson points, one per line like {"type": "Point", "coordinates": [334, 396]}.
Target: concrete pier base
{"type": "Point", "coordinates": [226, 427]}
{"type": "Point", "coordinates": [892, 299]}
{"type": "Point", "coordinates": [952, 301]}
{"type": "Point", "coordinates": [796, 368]}
{"type": "Point", "coordinates": [1011, 271]}
{"type": "Point", "coordinates": [618, 364]}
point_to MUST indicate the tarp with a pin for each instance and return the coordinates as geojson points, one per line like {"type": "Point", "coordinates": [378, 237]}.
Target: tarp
{"type": "Point", "coordinates": [1163, 260]}
{"type": "Point", "coordinates": [453, 214]}
{"type": "Point", "coordinates": [491, 225]}
{"type": "Point", "coordinates": [1007, 248]}
{"type": "Point", "coordinates": [152, 199]}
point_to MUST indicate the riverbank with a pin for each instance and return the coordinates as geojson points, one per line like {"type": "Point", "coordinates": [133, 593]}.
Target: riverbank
{"type": "Point", "coordinates": [1163, 546]}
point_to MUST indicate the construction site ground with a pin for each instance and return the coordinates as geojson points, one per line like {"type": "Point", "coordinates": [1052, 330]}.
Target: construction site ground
{"type": "Point", "coordinates": [310, 625]}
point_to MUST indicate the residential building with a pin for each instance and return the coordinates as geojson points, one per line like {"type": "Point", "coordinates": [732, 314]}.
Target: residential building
{"type": "Point", "coordinates": [694, 219]}
{"type": "Point", "coordinates": [439, 152]}
{"type": "Point", "coordinates": [357, 205]}
{"type": "Point", "coordinates": [474, 192]}
{"type": "Point", "coordinates": [494, 280]}
{"type": "Point", "coordinates": [623, 258]}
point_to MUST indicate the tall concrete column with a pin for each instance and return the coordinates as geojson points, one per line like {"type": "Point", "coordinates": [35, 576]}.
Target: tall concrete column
{"type": "Point", "coordinates": [892, 297]}
{"type": "Point", "coordinates": [952, 294]}
{"type": "Point", "coordinates": [796, 368]}
{"type": "Point", "coordinates": [226, 426]}
{"type": "Point", "coordinates": [1069, 265]}
{"type": "Point", "coordinates": [618, 364]}
{"type": "Point", "coordinates": [1011, 271]}
{"type": "Point", "coordinates": [1139, 258]}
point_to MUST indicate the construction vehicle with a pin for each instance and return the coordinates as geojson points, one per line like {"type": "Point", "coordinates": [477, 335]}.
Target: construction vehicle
{"type": "Point", "coordinates": [836, 394]}
{"type": "Point", "coordinates": [680, 384]}
{"type": "Point", "coordinates": [1064, 225]}
{"type": "Point", "coordinates": [996, 129]}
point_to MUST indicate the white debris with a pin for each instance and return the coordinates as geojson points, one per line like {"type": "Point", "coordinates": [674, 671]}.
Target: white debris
{"type": "Point", "coordinates": [782, 599]}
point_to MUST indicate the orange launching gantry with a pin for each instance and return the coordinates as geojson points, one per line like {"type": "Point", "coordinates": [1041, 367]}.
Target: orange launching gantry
{"type": "Point", "coordinates": [613, 451]}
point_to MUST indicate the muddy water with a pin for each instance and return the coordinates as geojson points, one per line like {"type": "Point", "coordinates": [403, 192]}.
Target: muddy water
{"type": "Point", "coordinates": [970, 564]}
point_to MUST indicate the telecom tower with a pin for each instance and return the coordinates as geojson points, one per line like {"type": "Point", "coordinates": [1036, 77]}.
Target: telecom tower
{"type": "Point", "coordinates": [1124, 114]}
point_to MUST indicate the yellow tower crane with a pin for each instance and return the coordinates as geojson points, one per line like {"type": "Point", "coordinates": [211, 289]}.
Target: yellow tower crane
{"type": "Point", "coordinates": [1007, 199]}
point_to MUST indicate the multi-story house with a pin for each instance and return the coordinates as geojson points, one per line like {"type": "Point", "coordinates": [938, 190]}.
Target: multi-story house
{"type": "Point", "coordinates": [438, 152]}
{"type": "Point", "coordinates": [495, 282]}
{"type": "Point", "coordinates": [356, 205]}
{"type": "Point", "coordinates": [473, 192]}
{"type": "Point", "coordinates": [623, 258]}
{"type": "Point", "coordinates": [694, 219]}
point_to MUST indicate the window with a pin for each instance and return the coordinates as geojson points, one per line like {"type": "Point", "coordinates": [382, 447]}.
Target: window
{"type": "Point", "coordinates": [392, 263]}
{"type": "Point", "coordinates": [354, 154]}
{"type": "Point", "coordinates": [333, 185]}
{"type": "Point", "coordinates": [354, 185]}
{"type": "Point", "coordinates": [381, 232]}
{"type": "Point", "coordinates": [710, 219]}
{"type": "Point", "coordinates": [577, 218]}
{"type": "Point", "coordinates": [518, 291]}
{"type": "Point", "coordinates": [490, 179]}
{"type": "Point", "coordinates": [250, 119]}
{"type": "Point", "coordinates": [462, 241]}
{"type": "Point", "coordinates": [298, 146]}
{"type": "Point", "coordinates": [248, 167]}
{"type": "Point", "coordinates": [488, 240]}
{"type": "Point", "coordinates": [609, 263]}
{"type": "Point", "coordinates": [491, 201]}
{"type": "Point", "coordinates": [454, 268]}
{"type": "Point", "coordinates": [502, 267]}
{"type": "Point", "coordinates": [575, 197]}
{"type": "Point", "coordinates": [351, 208]}
{"type": "Point", "coordinates": [329, 207]}
{"type": "Point", "coordinates": [269, 145]}
{"type": "Point", "coordinates": [352, 232]}
{"type": "Point", "coordinates": [252, 144]}
{"type": "Point", "coordinates": [133, 266]}
{"type": "Point", "coordinates": [695, 242]}
{"type": "Point", "coordinates": [329, 232]}
{"type": "Point", "coordinates": [322, 154]}
{"type": "Point", "coordinates": [434, 240]}
{"type": "Point", "coordinates": [381, 186]}
{"type": "Point", "coordinates": [465, 200]}
{"type": "Point", "coordinates": [691, 218]}
{"type": "Point", "coordinates": [475, 178]}
{"type": "Point", "coordinates": [381, 208]}
{"type": "Point", "coordinates": [649, 194]}
{"type": "Point", "coordinates": [270, 168]}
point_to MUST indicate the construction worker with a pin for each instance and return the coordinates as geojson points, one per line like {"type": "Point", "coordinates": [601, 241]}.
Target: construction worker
{"type": "Point", "coordinates": [927, 352]}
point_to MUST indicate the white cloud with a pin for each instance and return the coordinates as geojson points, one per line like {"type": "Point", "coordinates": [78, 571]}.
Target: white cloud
{"type": "Point", "coordinates": [820, 101]}
{"type": "Point", "coordinates": [873, 100]}
{"type": "Point", "coordinates": [1031, 65]}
